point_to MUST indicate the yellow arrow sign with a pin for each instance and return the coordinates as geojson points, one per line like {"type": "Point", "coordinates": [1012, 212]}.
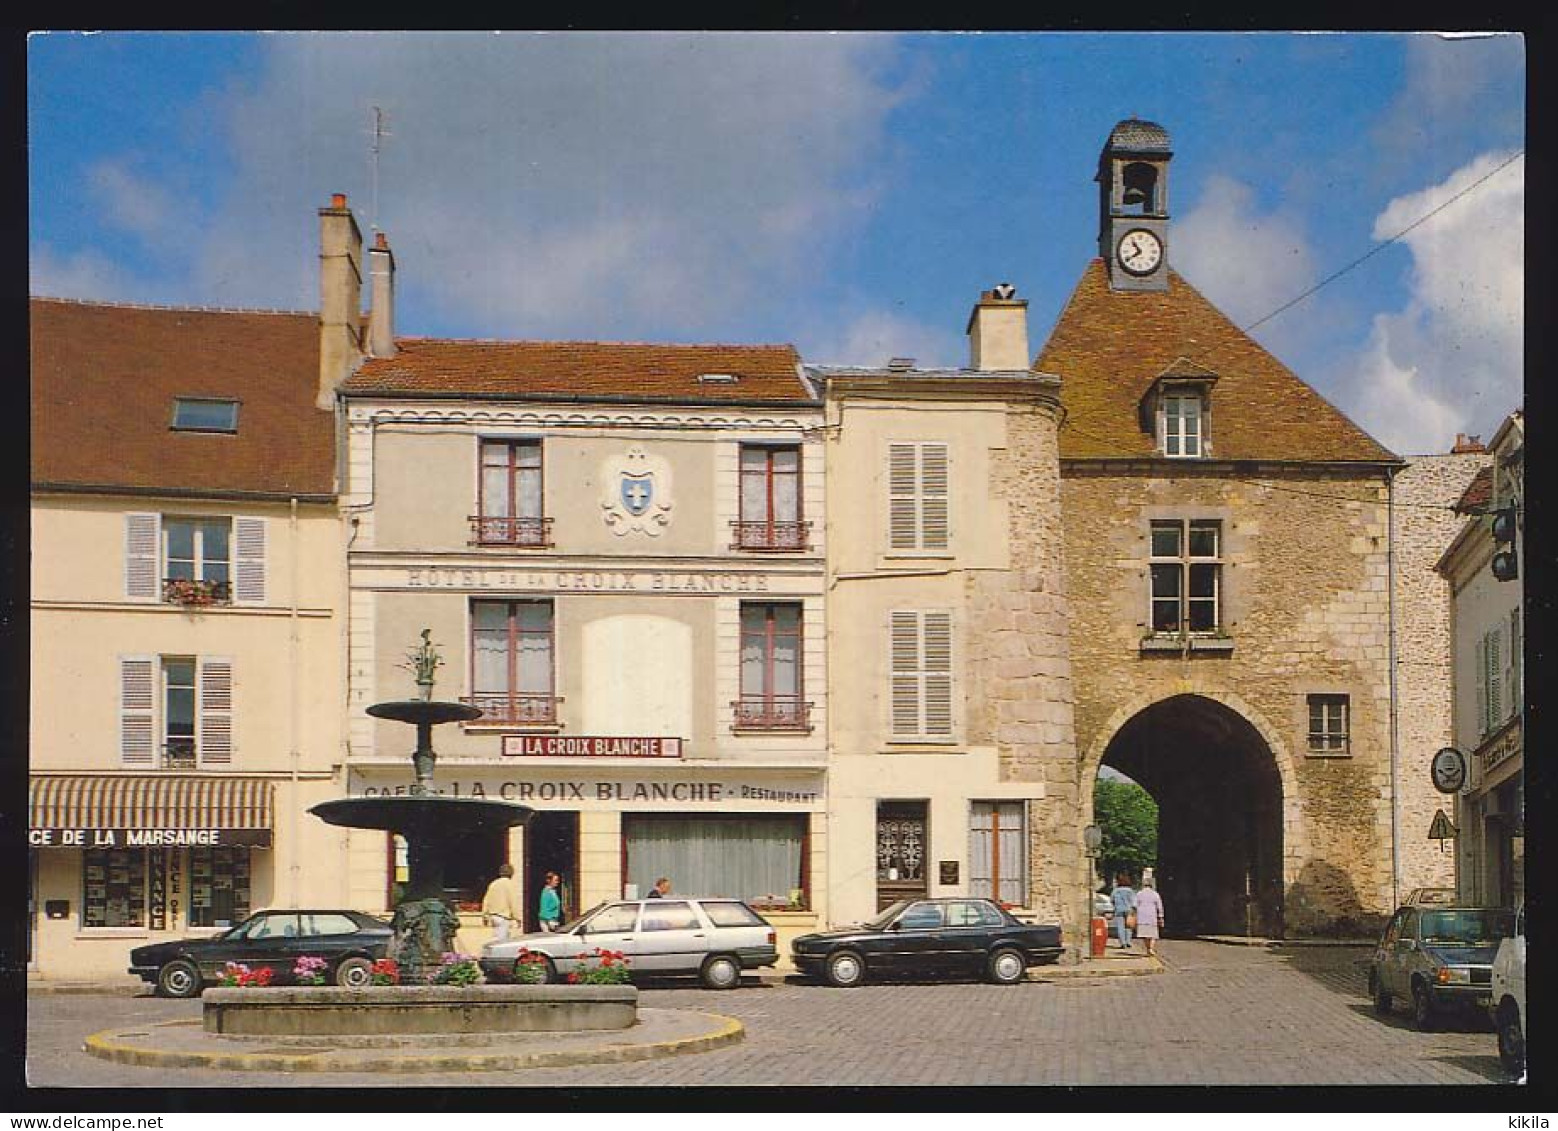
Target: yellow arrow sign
{"type": "Point", "coordinates": [1441, 829]}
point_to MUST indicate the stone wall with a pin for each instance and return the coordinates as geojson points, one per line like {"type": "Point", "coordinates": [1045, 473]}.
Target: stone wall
{"type": "Point", "coordinates": [1019, 658]}
{"type": "Point", "coordinates": [1425, 526]}
{"type": "Point", "coordinates": [1306, 604]}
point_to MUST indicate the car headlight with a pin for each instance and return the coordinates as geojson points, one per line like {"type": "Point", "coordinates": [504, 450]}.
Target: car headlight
{"type": "Point", "coordinates": [1452, 974]}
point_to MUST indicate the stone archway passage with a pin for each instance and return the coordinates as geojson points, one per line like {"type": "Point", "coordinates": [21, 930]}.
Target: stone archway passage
{"type": "Point", "coordinates": [1219, 798]}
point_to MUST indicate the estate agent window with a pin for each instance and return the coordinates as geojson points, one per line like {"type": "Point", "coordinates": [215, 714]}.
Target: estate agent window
{"type": "Point", "coordinates": [510, 501]}
{"type": "Point", "coordinates": [114, 883]}
{"type": "Point", "coordinates": [997, 851]}
{"type": "Point", "coordinates": [919, 486]}
{"type": "Point", "coordinates": [770, 498]}
{"type": "Point", "coordinates": [512, 661]}
{"type": "Point", "coordinates": [756, 857]}
{"type": "Point", "coordinates": [218, 886]}
{"type": "Point", "coordinates": [1328, 724]}
{"type": "Point", "coordinates": [771, 686]}
{"type": "Point", "coordinates": [1186, 576]}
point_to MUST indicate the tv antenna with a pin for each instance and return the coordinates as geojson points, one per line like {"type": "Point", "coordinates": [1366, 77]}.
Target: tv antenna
{"type": "Point", "coordinates": [379, 134]}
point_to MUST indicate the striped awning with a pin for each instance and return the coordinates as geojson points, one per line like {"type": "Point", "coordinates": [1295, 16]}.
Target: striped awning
{"type": "Point", "coordinates": [163, 805]}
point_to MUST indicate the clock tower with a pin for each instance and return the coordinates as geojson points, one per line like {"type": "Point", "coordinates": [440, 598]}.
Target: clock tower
{"type": "Point", "coordinates": [1133, 206]}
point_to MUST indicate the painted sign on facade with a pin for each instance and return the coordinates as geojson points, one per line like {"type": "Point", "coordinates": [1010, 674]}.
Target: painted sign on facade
{"type": "Point", "coordinates": [585, 746]}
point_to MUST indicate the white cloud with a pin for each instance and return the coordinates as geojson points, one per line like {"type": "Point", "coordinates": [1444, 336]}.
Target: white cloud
{"type": "Point", "coordinates": [130, 201]}
{"type": "Point", "coordinates": [1247, 262]}
{"type": "Point", "coordinates": [1450, 360]}
{"type": "Point", "coordinates": [89, 275]}
{"type": "Point", "coordinates": [876, 336]}
{"type": "Point", "coordinates": [556, 185]}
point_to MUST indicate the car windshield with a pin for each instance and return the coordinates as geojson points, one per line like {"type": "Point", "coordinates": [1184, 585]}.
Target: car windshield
{"type": "Point", "coordinates": [574, 922]}
{"type": "Point", "coordinates": [887, 916]}
{"type": "Point", "coordinates": [1467, 927]}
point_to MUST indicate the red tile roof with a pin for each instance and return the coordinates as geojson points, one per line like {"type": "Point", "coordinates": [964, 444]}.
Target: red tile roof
{"type": "Point", "coordinates": [104, 378]}
{"type": "Point", "coordinates": [617, 370]}
{"type": "Point", "coordinates": [1108, 348]}
{"type": "Point", "coordinates": [1478, 493]}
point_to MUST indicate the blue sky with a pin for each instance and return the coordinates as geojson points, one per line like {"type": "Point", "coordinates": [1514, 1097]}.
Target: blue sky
{"type": "Point", "coordinates": [850, 193]}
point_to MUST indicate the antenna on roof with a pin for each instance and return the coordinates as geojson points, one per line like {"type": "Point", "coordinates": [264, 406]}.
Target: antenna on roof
{"type": "Point", "coordinates": [379, 134]}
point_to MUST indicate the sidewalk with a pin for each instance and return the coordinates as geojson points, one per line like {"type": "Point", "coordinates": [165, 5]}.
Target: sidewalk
{"type": "Point", "coordinates": [1255, 940]}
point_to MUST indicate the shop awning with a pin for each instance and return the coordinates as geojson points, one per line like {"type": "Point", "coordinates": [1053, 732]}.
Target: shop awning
{"type": "Point", "coordinates": [148, 810]}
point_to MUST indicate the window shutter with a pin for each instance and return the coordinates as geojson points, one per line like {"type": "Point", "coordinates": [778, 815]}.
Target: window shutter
{"type": "Point", "coordinates": [938, 674]}
{"type": "Point", "coordinates": [1481, 682]}
{"type": "Point", "coordinates": [981, 849]}
{"type": "Point", "coordinates": [137, 710]}
{"type": "Point", "coordinates": [1495, 678]}
{"type": "Point", "coordinates": [141, 535]}
{"type": "Point", "coordinates": [216, 711]}
{"type": "Point", "coordinates": [934, 502]}
{"type": "Point", "coordinates": [905, 673]}
{"type": "Point", "coordinates": [903, 510]}
{"type": "Point", "coordinates": [249, 539]}
{"type": "Point", "coordinates": [1514, 684]}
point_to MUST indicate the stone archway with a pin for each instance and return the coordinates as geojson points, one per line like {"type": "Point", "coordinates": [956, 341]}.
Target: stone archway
{"type": "Point", "coordinates": [1228, 812]}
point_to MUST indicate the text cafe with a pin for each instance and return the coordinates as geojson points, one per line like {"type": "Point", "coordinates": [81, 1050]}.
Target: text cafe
{"type": "Point", "coordinates": [611, 829]}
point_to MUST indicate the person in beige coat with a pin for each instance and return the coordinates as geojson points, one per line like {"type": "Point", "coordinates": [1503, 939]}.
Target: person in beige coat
{"type": "Point", "coordinates": [501, 903]}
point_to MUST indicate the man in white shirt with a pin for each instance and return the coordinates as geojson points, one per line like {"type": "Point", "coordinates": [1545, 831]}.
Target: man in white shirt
{"type": "Point", "coordinates": [501, 903]}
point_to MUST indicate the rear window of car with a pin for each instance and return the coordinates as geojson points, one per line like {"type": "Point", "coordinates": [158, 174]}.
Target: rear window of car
{"type": "Point", "coordinates": [973, 914]}
{"type": "Point", "coordinates": [732, 915]}
{"type": "Point", "coordinates": [328, 924]}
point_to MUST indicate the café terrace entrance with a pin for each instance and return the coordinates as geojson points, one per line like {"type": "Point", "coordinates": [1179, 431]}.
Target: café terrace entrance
{"type": "Point", "coordinates": [1219, 797]}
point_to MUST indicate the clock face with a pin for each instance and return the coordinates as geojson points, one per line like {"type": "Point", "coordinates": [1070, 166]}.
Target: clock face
{"type": "Point", "coordinates": [1139, 251]}
{"type": "Point", "coordinates": [1449, 770]}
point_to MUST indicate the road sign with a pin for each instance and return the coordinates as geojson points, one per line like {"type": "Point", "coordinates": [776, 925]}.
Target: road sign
{"type": "Point", "coordinates": [1441, 829]}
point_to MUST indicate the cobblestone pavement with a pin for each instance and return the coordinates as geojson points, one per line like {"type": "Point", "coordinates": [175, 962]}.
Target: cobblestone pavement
{"type": "Point", "coordinates": [1219, 1015]}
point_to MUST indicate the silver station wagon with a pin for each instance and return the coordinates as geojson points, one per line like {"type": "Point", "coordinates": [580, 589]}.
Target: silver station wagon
{"type": "Point", "coordinates": [716, 939]}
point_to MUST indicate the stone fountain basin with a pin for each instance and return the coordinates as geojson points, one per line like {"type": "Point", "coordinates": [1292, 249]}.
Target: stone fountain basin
{"type": "Point", "coordinates": [329, 1011]}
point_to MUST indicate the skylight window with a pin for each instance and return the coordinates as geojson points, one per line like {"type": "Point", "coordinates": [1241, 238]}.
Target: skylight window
{"type": "Point", "coordinates": [204, 414]}
{"type": "Point", "coordinates": [717, 378]}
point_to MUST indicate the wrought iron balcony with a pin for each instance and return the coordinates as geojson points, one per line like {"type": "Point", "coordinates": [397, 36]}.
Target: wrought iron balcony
{"type": "Point", "coordinates": [194, 592]}
{"type": "Point", "coordinates": [509, 530]}
{"type": "Point", "coordinates": [500, 708]}
{"type": "Point", "coordinates": [772, 712]}
{"type": "Point", "coordinates": [771, 536]}
{"type": "Point", "coordinates": [178, 754]}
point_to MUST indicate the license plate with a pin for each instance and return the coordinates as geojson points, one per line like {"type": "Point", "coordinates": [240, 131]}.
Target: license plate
{"type": "Point", "coordinates": [1484, 999]}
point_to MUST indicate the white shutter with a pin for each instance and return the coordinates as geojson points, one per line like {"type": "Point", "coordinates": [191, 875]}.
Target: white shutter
{"type": "Point", "coordinates": [142, 533]}
{"type": "Point", "coordinates": [216, 711]}
{"type": "Point", "coordinates": [1480, 680]}
{"type": "Point", "coordinates": [934, 503]}
{"type": "Point", "coordinates": [1514, 684]}
{"type": "Point", "coordinates": [138, 710]}
{"type": "Point", "coordinates": [903, 498]}
{"type": "Point", "coordinates": [905, 649]}
{"type": "Point", "coordinates": [1495, 678]}
{"type": "Point", "coordinates": [938, 674]}
{"type": "Point", "coordinates": [981, 848]}
{"type": "Point", "coordinates": [249, 567]}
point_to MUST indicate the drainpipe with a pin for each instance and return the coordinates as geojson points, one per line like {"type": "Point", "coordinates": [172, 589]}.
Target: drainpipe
{"type": "Point", "coordinates": [294, 647]}
{"type": "Point", "coordinates": [1395, 751]}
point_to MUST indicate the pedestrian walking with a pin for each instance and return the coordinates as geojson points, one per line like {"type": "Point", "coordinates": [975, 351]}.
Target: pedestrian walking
{"type": "Point", "coordinates": [1149, 914]}
{"type": "Point", "coordinates": [551, 910]}
{"type": "Point", "coordinates": [1123, 899]}
{"type": "Point", "coordinates": [501, 903]}
{"type": "Point", "coordinates": [661, 889]}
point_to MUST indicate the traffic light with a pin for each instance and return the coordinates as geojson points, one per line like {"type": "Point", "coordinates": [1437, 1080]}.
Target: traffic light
{"type": "Point", "coordinates": [1506, 564]}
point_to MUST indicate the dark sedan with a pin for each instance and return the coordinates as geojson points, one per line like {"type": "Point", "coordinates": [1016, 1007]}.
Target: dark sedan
{"type": "Point", "coordinates": [929, 937]}
{"type": "Point", "coordinates": [348, 941]}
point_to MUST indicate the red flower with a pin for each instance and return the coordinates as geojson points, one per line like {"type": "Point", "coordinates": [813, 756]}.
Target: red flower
{"type": "Point", "coordinates": [573, 978]}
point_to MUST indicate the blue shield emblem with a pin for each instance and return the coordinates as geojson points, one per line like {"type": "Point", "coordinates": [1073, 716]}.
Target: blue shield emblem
{"type": "Point", "coordinates": [637, 491]}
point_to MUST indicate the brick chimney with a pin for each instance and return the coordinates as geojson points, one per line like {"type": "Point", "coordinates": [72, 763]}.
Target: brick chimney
{"type": "Point", "coordinates": [1465, 445]}
{"type": "Point", "coordinates": [381, 311]}
{"type": "Point", "coordinates": [998, 330]}
{"type": "Point", "coordinates": [340, 297]}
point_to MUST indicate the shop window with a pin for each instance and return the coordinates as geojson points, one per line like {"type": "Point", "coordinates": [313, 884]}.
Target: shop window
{"type": "Point", "coordinates": [758, 857]}
{"type": "Point", "coordinates": [772, 696]}
{"type": "Point", "coordinates": [114, 887]}
{"type": "Point", "coordinates": [471, 863]}
{"type": "Point", "coordinates": [510, 496]}
{"type": "Point", "coordinates": [512, 663]}
{"type": "Point", "coordinates": [770, 499]}
{"type": "Point", "coordinates": [1329, 723]}
{"type": "Point", "coordinates": [997, 851]}
{"type": "Point", "coordinates": [1186, 577]}
{"type": "Point", "coordinates": [218, 886]}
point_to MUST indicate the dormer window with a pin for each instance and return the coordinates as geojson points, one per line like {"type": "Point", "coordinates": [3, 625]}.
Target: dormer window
{"type": "Point", "coordinates": [204, 414]}
{"type": "Point", "coordinates": [1182, 420]}
{"type": "Point", "coordinates": [1177, 410]}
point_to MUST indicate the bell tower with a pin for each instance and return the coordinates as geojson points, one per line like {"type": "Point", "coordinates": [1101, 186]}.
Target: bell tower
{"type": "Point", "coordinates": [1133, 206]}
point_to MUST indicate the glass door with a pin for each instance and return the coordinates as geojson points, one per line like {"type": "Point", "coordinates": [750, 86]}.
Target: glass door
{"type": "Point", "coordinates": [901, 846]}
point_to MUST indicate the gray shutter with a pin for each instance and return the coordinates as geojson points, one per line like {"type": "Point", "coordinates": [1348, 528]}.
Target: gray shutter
{"type": "Point", "coordinates": [249, 566]}
{"type": "Point", "coordinates": [142, 532]}
{"type": "Point", "coordinates": [903, 497]}
{"type": "Point", "coordinates": [1495, 678]}
{"type": "Point", "coordinates": [938, 674]}
{"type": "Point", "coordinates": [216, 710]}
{"type": "Point", "coordinates": [1480, 679]}
{"type": "Point", "coordinates": [935, 503]}
{"type": "Point", "coordinates": [137, 710]}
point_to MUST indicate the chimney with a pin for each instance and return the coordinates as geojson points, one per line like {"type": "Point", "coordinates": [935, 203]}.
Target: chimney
{"type": "Point", "coordinates": [1465, 445]}
{"type": "Point", "coordinates": [340, 297]}
{"type": "Point", "coordinates": [381, 311]}
{"type": "Point", "coordinates": [998, 330]}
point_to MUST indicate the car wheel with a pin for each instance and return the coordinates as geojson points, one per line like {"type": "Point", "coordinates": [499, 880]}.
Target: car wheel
{"type": "Point", "coordinates": [179, 978]}
{"type": "Point", "coordinates": [1007, 966]}
{"type": "Point", "coordinates": [354, 974]}
{"type": "Point", "coordinates": [1380, 995]}
{"type": "Point", "coordinates": [1511, 1041]}
{"type": "Point", "coordinates": [720, 972]}
{"type": "Point", "coordinates": [549, 975]}
{"type": "Point", "coordinates": [1422, 1007]}
{"type": "Point", "coordinates": [845, 968]}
